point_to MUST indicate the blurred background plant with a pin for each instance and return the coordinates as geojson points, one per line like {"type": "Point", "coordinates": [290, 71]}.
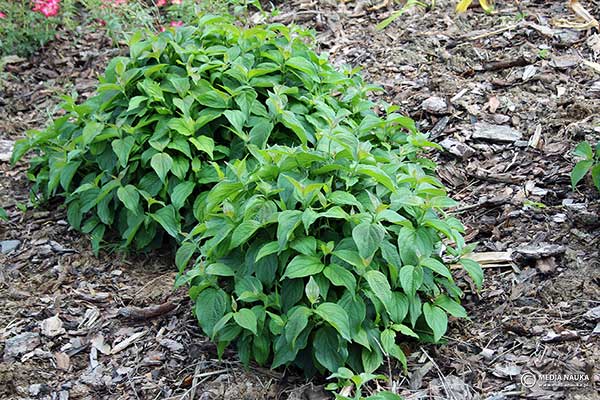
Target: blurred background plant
{"type": "Point", "coordinates": [27, 25]}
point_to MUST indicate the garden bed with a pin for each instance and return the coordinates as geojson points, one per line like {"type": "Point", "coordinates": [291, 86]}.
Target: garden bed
{"type": "Point", "coordinates": [449, 73]}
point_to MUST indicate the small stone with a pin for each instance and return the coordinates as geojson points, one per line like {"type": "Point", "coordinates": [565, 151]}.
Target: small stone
{"type": "Point", "coordinates": [501, 133]}
{"type": "Point", "coordinates": [52, 327]}
{"type": "Point", "coordinates": [38, 388]}
{"type": "Point", "coordinates": [501, 119]}
{"type": "Point", "coordinates": [488, 354]}
{"type": "Point", "coordinates": [6, 150]}
{"type": "Point", "coordinates": [435, 105]}
{"type": "Point", "coordinates": [457, 148]}
{"type": "Point", "coordinates": [546, 265]}
{"type": "Point", "coordinates": [559, 218]}
{"type": "Point", "coordinates": [20, 344]}
{"type": "Point", "coordinates": [593, 314]}
{"type": "Point", "coordinates": [6, 246]}
{"type": "Point", "coordinates": [564, 62]}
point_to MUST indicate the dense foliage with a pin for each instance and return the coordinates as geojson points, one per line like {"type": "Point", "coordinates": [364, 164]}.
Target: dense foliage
{"type": "Point", "coordinates": [312, 233]}
{"type": "Point", "coordinates": [589, 162]}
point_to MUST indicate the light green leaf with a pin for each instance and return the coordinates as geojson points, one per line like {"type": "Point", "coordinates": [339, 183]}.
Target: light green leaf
{"type": "Point", "coordinates": [302, 266]}
{"type": "Point", "coordinates": [243, 232]}
{"type": "Point", "coordinates": [474, 270]}
{"type": "Point", "coordinates": [168, 218]}
{"type": "Point", "coordinates": [340, 276]}
{"type": "Point", "coordinates": [337, 317]}
{"type": "Point", "coordinates": [90, 131]}
{"type": "Point", "coordinates": [437, 320]}
{"type": "Point", "coordinates": [581, 168]}
{"type": "Point", "coordinates": [122, 148]}
{"type": "Point", "coordinates": [246, 319]}
{"type": "Point", "coordinates": [452, 307]}
{"type": "Point", "coordinates": [161, 163]}
{"type": "Point", "coordinates": [211, 305]}
{"type": "Point", "coordinates": [181, 192]}
{"type": "Point", "coordinates": [129, 196]}
{"type": "Point", "coordinates": [436, 266]}
{"type": "Point", "coordinates": [204, 143]}
{"type": "Point", "coordinates": [184, 254]}
{"type": "Point", "coordinates": [379, 285]}
{"type": "Point", "coordinates": [368, 238]}
{"type": "Point", "coordinates": [411, 279]}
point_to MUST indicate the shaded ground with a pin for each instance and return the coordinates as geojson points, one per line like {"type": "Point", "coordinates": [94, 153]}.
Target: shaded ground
{"type": "Point", "coordinates": [449, 73]}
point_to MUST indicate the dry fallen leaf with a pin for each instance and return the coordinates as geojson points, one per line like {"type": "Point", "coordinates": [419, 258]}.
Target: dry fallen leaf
{"type": "Point", "coordinates": [494, 103]}
{"type": "Point", "coordinates": [583, 13]}
{"type": "Point", "coordinates": [63, 361]}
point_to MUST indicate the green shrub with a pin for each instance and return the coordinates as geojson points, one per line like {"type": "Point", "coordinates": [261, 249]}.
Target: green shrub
{"type": "Point", "coordinates": [590, 161]}
{"type": "Point", "coordinates": [140, 153]}
{"type": "Point", "coordinates": [322, 257]}
{"type": "Point", "coordinates": [312, 233]}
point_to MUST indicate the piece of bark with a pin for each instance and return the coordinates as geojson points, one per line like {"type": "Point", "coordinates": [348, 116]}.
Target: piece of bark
{"type": "Point", "coordinates": [149, 312]}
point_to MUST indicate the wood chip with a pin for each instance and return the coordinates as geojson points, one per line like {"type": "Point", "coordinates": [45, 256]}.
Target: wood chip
{"type": "Point", "coordinates": [127, 342]}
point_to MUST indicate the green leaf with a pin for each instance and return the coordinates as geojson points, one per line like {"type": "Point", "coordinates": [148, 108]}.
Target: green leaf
{"type": "Point", "coordinates": [337, 317]}
{"type": "Point", "coordinates": [327, 349]}
{"type": "Point", "coordinates": [379, 285]}
{"type": "Point", "coordinates": [312, 290]}
{"type": "Point", "coordinates": [581, 168]}
{"type": "Point", "coordinates": [437, 320]}
{"type": "Point", "coordinates": [129, 196]}
{"type": "Point", "coordinates": [267, 249]}
{"type": "Point", "coordinates": [90, 131]}
{"type": "Point", "coordinates": [411, 279]}
{"type": "Point", "coordinates": [398, 307]}
{"type": "Point", "coordinates": [237, 119]}
{"type": "Point", "coordinates": [287, 221]}
{"type": "Point", "coordinates": [211, 305]}
{"type": "Point", "coordinates": [474, 270]}
{"type": "Point", "coordinates": [297, 321]}
{"type": "Point", "coordinates": [368, 238]}
{"type": "Point", "coordinates": [436, 266]}
{"type": "Point", "coordinates": [450, 306]}
{"type": "Point", "coordinates": [388, 342]}
{"type": "Point", "coordinates": [301, 64]}
{"type": "Point", "coordinates": [243, 232]}
{"type": "Point", "coordinates": [220, 269]}
{"type": "Point", "coordinates": [204, 143]}
{"type": "Point", "coordinates": [122, 148]}
{"type": "Point", "coordinates": [340, 276]}
{"type": "Point", "coordinates": [246, 319]}
{"type": "Point", "coordinates": [378, 174]}
{"type": "Point", "coordinates": [180, 193]}
{"type": "Point", "coordinates": [168, 218]}
{"type": "Point", "coordinates": [584, 150]}
{"type": "Point", "coordinates": [596, 175]}
{"type": "Point", "coordinates": [161, 163]}
{"type": "Point", "coordinates": [302, 266]}
{"type": "Point", "coordinates": [184, 254]}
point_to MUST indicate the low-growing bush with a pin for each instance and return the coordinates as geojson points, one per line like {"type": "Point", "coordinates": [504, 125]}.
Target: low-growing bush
{"type": "Point", "coordinates": [324, 257]}
{"type": "Point", "coordinates": [139, 154]}
{"type": "Point", "coordinates": [312, 232]}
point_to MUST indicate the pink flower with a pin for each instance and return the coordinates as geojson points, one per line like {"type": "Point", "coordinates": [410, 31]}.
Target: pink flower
{"type": "Point", "coordinates": [176, 23]}
{"type": "Point", "coordinates": [49, 8]}
{"type": "Point", "coordinates": [160, 3]}
{"type": "Point", "coordinates": [2, 15]}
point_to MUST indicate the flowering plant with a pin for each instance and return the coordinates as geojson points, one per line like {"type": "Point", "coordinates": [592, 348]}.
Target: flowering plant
{"type": "Point", "coordinates": [27, 25]}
